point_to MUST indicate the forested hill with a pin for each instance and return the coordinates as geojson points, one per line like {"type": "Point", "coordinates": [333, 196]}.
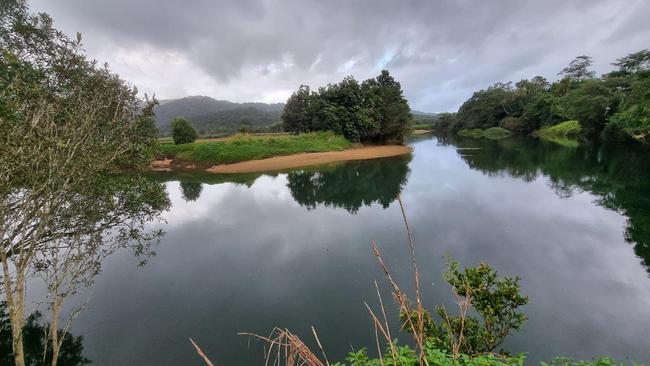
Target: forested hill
{"type": "Point", "coordinates": [209, 115]}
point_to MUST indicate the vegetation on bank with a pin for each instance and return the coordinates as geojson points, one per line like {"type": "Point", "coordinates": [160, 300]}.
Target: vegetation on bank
{"type": "Point", "coordinates": [494, 133]}
{"type": "Point", "coordinates": [613, 107]}
{"type": "Point", "coordinates": [183, 132]}
{"type": "Point", "coordinates": [246, 147]}
{"type": "Point", "coordinates": [562, 129]}
{"type": "Point", "coordinates": [374, 111]}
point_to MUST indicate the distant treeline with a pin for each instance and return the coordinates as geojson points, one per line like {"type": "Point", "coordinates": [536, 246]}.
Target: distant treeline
{"type": "Point", "coordinates": [214, 117]}
{"type": "Point", "coordinates": [615, 106]}
{"type": "Point", "coordinates": [374, 111]}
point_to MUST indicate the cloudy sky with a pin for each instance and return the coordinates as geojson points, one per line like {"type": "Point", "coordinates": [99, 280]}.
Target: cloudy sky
{"type": "Point", "coordinates": [262, 50]}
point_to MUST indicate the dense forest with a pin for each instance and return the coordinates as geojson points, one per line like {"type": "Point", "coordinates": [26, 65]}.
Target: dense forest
{"type": "Point", "coordinates": [612, 107]}
{"type": "Point", "coordinates": [372, 111]}
{"type": "Point", "coordinates": [211, 116]}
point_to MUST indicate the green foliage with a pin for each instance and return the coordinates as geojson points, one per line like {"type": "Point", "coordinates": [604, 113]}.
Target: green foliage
{"type": "Point", "coordinates": [483, 110]}
{"type": "Point", "coordinates": [374, 111]}
{"type": "Point", "coordinates": [590, 104]}
{"type": "Point", "coordinates": [613, 107]}
{"type": "Point", "coordinates": [436, 357]}
{"type": "Point", "coordinates": [563, 129]}
{"type": "Point", "coordinates": [211, 116]}
{"type": "Point", "coordinates": [578, 69]}
{"type": "Point", "coordinates": [38, 348]}
{"type": "Point", "coordinates": [603, 361]}
{"type": "Point", "coordinates": [495, 299]}
{"type": "Point", "coordinates": [474, 133]}
{"type": "Point", "coordinates": [352, 185]}
{"type": "Point", "coordinates": [514, 124]}
{"type": "Point", "coordinates": [70, 129]}
{"type": "Point", "coordinates": [406, 356]}
{"type": "Point", "coordinates": [633, 117]}
{"type": "Point", "coordinates": [494, 133]}
{"type": "Point", "coordinates": [246, 147]}
{"type": "Point", "coordinates": [182, 131]}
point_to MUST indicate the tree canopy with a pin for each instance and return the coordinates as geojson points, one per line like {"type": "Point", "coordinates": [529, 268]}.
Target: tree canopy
{"type": "Point", "coordinates": [374, 111]}
{"type": "Point", "coordinates": [614, 106]}
{"type": "Point", "coordinates": [69, 130]}
{"type": "Point", "coordinates": [182, 131]}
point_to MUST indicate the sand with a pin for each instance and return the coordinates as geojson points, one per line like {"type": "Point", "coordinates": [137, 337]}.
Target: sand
{"type": "Point", "coordinates": [306, 159]}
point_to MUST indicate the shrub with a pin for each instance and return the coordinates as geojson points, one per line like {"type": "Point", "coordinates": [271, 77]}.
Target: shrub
{"type": "Point", "coordinates": [479, 290]}
{"type": "Point", "coordinates": [182, 131]}
{"type": "Point", "coordinates": [563, 129]}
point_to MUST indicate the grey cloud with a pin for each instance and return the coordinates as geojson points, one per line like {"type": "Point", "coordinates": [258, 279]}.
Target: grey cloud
{"type": "Point", "coordinates": [441, 50]}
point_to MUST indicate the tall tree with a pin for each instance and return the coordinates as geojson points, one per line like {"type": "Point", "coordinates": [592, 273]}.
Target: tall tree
{"type": "Point", "coordinates": [67, 127]}
{"type": "Point", "coordinates": [578, 69]}
{"type": "Point", "coordinates": [634, 62]}
{"type": "Point", "coordinates": [297, 115]}
{"type": "Point", "coordinates": [395, 111]}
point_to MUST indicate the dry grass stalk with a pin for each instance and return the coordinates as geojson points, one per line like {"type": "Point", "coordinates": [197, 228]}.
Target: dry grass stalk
{"type": "Point", "coordinates": [313, 330]}
{"type": "Point", "coordinates": [417, 327]}
{"type": "Point", "coordinates": [288, 347]}
{"type": "Point", "coordinates": [200, 352]}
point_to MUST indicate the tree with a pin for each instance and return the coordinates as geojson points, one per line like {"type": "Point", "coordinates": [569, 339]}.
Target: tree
{"type": "Point", "coordinates": [578, 69]}
{"type": "Point", "coordinates": [634, 62]}
{"type": "Point", "coordinates": [374, 111]}
{"type": "Point", "coordinates": [394, 109]}
{"type": "Point", "coordinates": [297, 116]}
{"type": "Point", "coordinates": [68, 128]}
{"type": "Point", "coordinates": [591, 104]}
{"type": "Point", "coordinates": [191, 191]}
{"type": "Point", "coordinates": [182, 131]}
{"type": "Point", "coordinates": [484, 109]}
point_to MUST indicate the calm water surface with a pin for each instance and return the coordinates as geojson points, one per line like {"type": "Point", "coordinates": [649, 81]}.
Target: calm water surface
{"type": "Point", "coordinates": [248, 253]}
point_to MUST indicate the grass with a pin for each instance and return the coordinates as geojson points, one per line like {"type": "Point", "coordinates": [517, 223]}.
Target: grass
{"type": "Point", "coordinates": [249, 147]}
{"type": "Point", "coordinates": [564, 133]}
{"type": "Point", "coordinates": [422, 127]}
{"type": "Point", "coordinates": [494, 133]}
{"type": "Point", "coordinates": [563, 129]}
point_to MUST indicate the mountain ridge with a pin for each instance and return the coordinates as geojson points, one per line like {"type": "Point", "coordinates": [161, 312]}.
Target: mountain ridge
{"type": "Point", "coordinates": [209, 115]}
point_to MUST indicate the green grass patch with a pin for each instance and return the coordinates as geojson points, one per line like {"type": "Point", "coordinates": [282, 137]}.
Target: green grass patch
{"type": "Point", "coordinates": [494, 133]}
{"type": "Point", "coordinates": [563, 129]}
{"type": "Point", "coordinates": [422, 127]}
{"type": "Point", "coordinates": [245, 147]}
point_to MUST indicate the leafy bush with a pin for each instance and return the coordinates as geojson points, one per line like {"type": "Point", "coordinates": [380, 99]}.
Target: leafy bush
{"type": "Point", "coordinates": [182, 131]}
{"type": "Point", "coordinates": [479, 290]}
{"type": "Point", "coordinates": [406, 356]}
{"type": "Point", "coordinates": [563, 129]}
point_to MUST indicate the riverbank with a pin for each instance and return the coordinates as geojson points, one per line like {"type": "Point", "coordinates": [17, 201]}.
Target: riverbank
{"type": "Point", "coordinates": [307, 159]}
{"type": "Point", "coordinates": [287, 161]}
{"type": "Point", "coordinates": [247, 154]}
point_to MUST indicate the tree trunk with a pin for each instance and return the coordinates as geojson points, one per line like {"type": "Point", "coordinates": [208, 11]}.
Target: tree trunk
{"type": "Point", "coordinates": [16, 307]}
{"type": "Point", "coordinates": [54, 331]}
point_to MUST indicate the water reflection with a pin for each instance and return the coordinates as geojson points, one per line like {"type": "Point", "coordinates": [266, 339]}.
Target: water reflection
{"type": "Point", "coordinates": [351, 185]}
{"type": "Point", "coordinates": [292, 249]}
{"type": "Point", "coordinates": [37, 346]}
{"type": "Point", "coordinates": [348, 185]}
{"type": "Point", "coordinates": [619, 176]}
{"type": "Point", "coordinates": [191, 190]}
